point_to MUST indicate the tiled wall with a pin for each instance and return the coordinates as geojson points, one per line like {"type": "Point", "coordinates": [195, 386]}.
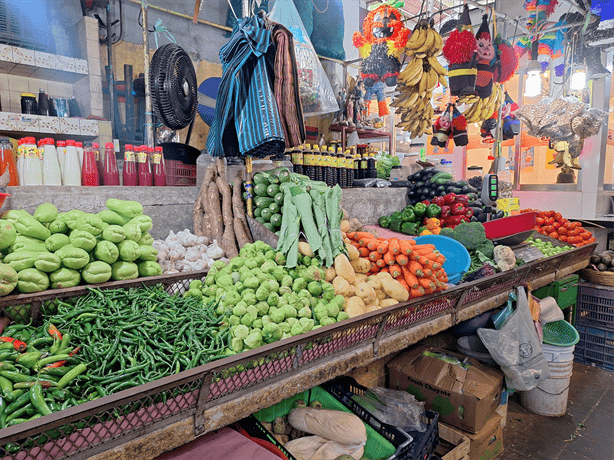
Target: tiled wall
{"type": "Point", "coordinates": [88, 90]}
{"type": "Point", "coordinates": [11, 87]}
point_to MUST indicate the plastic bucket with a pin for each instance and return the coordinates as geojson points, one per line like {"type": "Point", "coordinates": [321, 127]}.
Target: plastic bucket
{"type": "Point", "coordinates": [549, 398]}
{"type": "Point", "coordinates": [554, 354]}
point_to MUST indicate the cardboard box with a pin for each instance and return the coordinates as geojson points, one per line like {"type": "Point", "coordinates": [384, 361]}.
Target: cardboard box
{"type": "Point", "coordinates": [487, 444]}
{"type": "Point", "coordinates": [464, 397]}
{"type": "Point", "coordinates": [453, 444]}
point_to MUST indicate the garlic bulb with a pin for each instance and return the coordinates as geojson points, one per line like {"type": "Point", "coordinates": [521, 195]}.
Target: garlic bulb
{"type": "Point", "coordinates": [214, 251]}
{"type": "Point", "coordinates": [171, 238]}
{"type": "Point", "coordinates": [203, 240]}
{"type": "Point", "coordinates": [192, 255]}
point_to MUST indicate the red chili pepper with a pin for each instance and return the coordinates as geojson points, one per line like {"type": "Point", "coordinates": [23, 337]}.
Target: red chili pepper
{"type": "Point", "coordinates": [56, 364]}
{"type": "Point", "coordinates": [53, 332]}
{"type": "Point", "coordinates": [7, 339]}
{"type": "Point", "coordinates": [19, 346]}
{"type": "Point", "coordinates": [74, 352]}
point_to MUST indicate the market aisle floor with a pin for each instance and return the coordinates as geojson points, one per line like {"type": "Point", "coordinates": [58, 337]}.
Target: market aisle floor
{"type": "Point", "coordinates": [586, 432]}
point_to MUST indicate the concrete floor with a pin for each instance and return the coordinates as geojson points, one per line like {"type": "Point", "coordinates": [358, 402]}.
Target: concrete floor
{"type": "Point", "coordinates": [586, 432]}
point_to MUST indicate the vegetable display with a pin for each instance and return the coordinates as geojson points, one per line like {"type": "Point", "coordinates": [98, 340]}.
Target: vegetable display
{"type": "Point", "coordinates": [554, 225]}
{"type": "Point", "coordinates": [59, 250]}
{"type": "Point", "coordinates": [418, 268]}
{"type": "Point", "coordinates": [184, 252]}
{"type": "Point", "coordinates": [546, 247]}
{"type": "Point", "coordinates": [603, 262]}
{"type": "Point", "coordinates": [384, 164]}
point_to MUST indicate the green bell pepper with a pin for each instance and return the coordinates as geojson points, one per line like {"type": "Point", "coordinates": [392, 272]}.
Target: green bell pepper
{"type": "Point", "coordinates": [410, 228]}
{"type": "Point", "coordinates": [433, 210]}
{"type": "Point", "coordinates": [421, 229]}
{"type": "Point", "coordinates": [384, 221]}
{"type": "Point", "coordinates": [408, 215]}
{"type": "Point", "coordinates": [396, 215]}
{"type": "Point", "coordinates": [420, 210]}
{"type": "Point", "coordinates": [395, 225]}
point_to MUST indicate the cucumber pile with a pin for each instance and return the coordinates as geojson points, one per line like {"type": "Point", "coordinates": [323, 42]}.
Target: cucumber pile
{"type": "Point", "coordinates": [268, 197]}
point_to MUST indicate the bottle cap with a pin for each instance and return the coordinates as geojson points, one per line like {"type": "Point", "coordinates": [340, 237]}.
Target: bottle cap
{"type": "Point", "coordinates": [41, 91]}
{"type": "Point", "coordinates": [70, 142]}
{"type": "Point", "coordinates": [61, 143]}
{"type": "Point", "coordinates": [159, 149]}
{"type": "Point", "coordinates": [95, 145]}
{"type": "Point", "coordinates": [109, 145]}
{"type": "Point", "coordinates": [79, 144]}
{"type": "Point", "coordinates": [150, 149]}
{"type": "Point", "coordinates": [128, 147]}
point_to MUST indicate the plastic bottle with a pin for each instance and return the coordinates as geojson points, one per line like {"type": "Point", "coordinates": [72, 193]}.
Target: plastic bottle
{"type": "Point", "coordinates": [371, 165]}
{"type": "Point", "coordinates": [308, 160]}
{"type": "Point", "coordinates": [202, 163]}
{"type": "Point", "coordinates": [72, 167]}
{"type": "Point", "coordinates": [20, 144]}
{"type": "Point", "coordinates": [111, 172]}
{"type": "Point", "coordinates": [7, 161]}
{"type": "Point", "coordinates": [144, 172]}
{"type": "Point", "coordinates": [446, 166]}
{"type": "Point", "coordinates": [350, 167]}
{"type": "Point", "coordinates": [129, 175]}
{"type": "Point", "coordinates": [297, 159]}
{"type": "Point", "coordinates": [79, 146]}
{"type": "Point", "coordinates": [61, 151]}
{"type": "Point", "coordinates": [43, 103]}
{"type": "Point", "coordinates": [89, 171]}
{"type": "Point", "coordinates": [317, 162]}
{"type": "Point", "coordinates": [32, 166]}
{"type": "Point", "coordinates": [159, 168]}
{"type": "Point", "coordinates": [52, 174]}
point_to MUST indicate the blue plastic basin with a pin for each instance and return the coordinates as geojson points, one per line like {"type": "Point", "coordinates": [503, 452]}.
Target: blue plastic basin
{"type": "Point", "coordinates": [457, 257]}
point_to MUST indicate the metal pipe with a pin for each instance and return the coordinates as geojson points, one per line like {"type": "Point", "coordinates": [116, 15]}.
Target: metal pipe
{"type": "Point", "coordinates": [548, 30]}
{"type": "Point", "coordinates": [185, 16]}
{"type": "Point", "coordinates": [500, 15]}
{"type": "Point", "coordinates": [110, 75]}
{"type": "Point", "coordinates": [148, 105]}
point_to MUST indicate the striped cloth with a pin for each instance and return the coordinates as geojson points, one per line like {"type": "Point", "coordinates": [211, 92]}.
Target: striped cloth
{"type": "Point", "coordinates": [247, 120]}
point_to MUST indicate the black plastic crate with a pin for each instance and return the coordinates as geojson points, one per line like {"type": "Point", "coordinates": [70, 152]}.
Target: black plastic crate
{"type": "Point", "coordinates": [255, 429]}
{"type": "Point", "coordinates": [423, 444]}
{"type": "Point", "coordinates": [595, 348]}
{"type": "Point", "coordinates": [595, 306]}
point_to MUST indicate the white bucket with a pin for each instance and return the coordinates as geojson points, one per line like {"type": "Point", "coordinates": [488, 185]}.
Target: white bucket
{"type": "Point", "coordinates": [554, 354]}
{"type": "Point", "coordinates": [549, 398]}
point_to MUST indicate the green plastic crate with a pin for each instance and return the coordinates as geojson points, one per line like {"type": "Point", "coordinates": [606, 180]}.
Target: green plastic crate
{"type": "Point", "coordinates": [377, 447]}
{"type": "Point", "coordinates": [564, 291]}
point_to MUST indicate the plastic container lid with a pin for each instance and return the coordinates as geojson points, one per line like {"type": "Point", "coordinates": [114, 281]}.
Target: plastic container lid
{"type": "Point", "coordinates": [79, 144]}
{"type": "Point", "coordinates": [70, 142]}
{"type": "Point", "coordinates": [61, 143]}
{"type": "Point", "coordinates": [28, 95]}
{"type": "Point", "coordinates": [129, 147]}
{"type": "Point", "coordinates": [109, 145]}
{"type": "Point", "coordinates": [159, 149]}
{"type": "Point", "coordinates": [95, 145]}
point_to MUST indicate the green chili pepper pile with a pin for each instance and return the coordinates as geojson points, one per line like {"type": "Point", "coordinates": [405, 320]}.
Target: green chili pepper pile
{"type": "Point", "coordinates": [39, 373]}
{"type": "Point", "coordinates": [134, 336]}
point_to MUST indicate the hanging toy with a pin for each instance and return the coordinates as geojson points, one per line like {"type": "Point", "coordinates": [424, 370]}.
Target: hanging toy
{"type": "Point", "coordinates": [488, 129]}
{"type": "Point", "coordinates": [459, 128]}
{"type": "Point", "coordinates": [459, 51]}
{"type": "Point", "coordinates": [384, 39]}
{"type": "Point", "coordinates": [442, 129]}
{"type": "Point", "coordinates": [511, 125]}
{"type": "Point", "coordinates": [507, 60]}
{"type": "Point", "coordinates": [486, 59]}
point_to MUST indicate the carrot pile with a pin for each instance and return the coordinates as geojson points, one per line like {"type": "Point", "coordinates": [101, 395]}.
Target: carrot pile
{"type": "Point", "coordinates": [418, 267]}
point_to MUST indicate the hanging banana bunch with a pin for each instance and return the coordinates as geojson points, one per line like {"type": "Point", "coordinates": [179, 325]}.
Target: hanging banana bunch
{"type": "Point", "coordinates": [482, 109]}
{"type": "Point", "coordinates": [418, 80]}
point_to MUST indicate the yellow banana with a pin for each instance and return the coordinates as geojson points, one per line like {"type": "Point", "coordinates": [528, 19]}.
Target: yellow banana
{"type": "Point", "coordinates": [416, 78]}
{"type": "Point", "coordinates": [437, 66]}
{"type": "Point", "coordinates": [413, 39]}
{"type": "Point", "coordinates": [442, 81]}
{"type": "Point", "coordinates": [438, 45]}
{"type": "Point", "coordinates": [433, 79]}
{"type": "Point", "coordinates": [428, 42]}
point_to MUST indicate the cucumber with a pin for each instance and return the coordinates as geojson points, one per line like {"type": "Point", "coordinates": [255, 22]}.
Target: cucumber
{"type": "Point", "coordinates": [266, 214]}
{"type": "Point", "coordinates": [276, 220]}
{"type": "Point", "coordinates": [260, 190]}
{"type": "Point", "coordinates": [284, 175]}
{"type": "Point", "coordinates": [279, 199]}
{"type": "Point", "coordinates": [258, 212]}
{"type": "Point", "coordinates": [269, 226]}
{"type": "Point", "coordinates": [274, 208]}
{"type": "Point", "coordinates": [272, 190]}
{"type": "Point", "coordinates": [261, 178]}
{"type": "Point", "coordinates": [263, 201]}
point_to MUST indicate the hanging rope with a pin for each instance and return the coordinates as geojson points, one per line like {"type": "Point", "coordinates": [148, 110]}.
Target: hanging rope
{"type": "Point", "coordinates": [159, 28]}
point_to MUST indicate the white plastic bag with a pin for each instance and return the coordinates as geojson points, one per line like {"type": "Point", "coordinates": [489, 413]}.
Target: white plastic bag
{"type": "Point", "coordinates": [517, 349]}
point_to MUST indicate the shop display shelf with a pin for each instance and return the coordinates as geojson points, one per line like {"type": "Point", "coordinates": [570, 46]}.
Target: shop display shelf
{"type": "Point", "coordinates": [96, 426]}
{"type": "Point", "coordinates": [595, 348]}
{"type": "Point", "coordinates": [420, 447]}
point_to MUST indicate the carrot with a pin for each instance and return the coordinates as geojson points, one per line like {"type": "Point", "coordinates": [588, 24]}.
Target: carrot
{"type": "Point", "coordinates": [374, 268]}
{"type": "Point", "coordinates": [429, 290]}
{"type": "Point", "coordinates": [374, 256]}
{"type": "Point", "coordinates": [395, 271]}
{"type": "Point", "coordinates": [363, 237]}
{"type": "Point", "coordinates": [406, 248]}
{"type": "Point", "coordinates": [425, 283]}
{"type": "Point", "coordinates": [380, 263]}
{"type": "Point", "coordinates": [389, 258]}
{"type": "Point", "coordinates": [383, 247]}
{"type": "Point", "coordinates": [424, 248]}
{"type": "Point", "coordinates": [403, 283]}
{"type": "Point", "coordinates": [351, 235]}
{"type": "Point", "coordinates": [416, 292]}
{"type": "Point", "coordinates": [411, 242]}
{"type": "Point", "coordinates": [401, 259]}
{"type": "Point", "coordinates": [441, 259]}
{"type": "Point", "coordinates": [372, 245]}
{"type": "Point", "coordinates": [385, 269]}
{"type": "Point", "coordinates": [435, 266]}
{"type": "Point", "coordinates": [424, 261]}
{"type": "Point", "coordinates": [394, 246]}
{"type": "Point", "coordinates": [410, 278]}
{"type": "Point", "coordinates": [431, 256]}
{"type": "Point", "coordinates": [364, 252]}
{"type": "Point", "coordinates": [416, 268]}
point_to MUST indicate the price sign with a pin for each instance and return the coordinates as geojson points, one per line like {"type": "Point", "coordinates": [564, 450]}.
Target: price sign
{"type": "Point", "coordinates": [528, 253]}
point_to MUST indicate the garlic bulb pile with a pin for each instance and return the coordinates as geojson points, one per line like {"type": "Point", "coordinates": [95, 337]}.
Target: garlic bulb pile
{"type": "Point", "coordinates": [185, 252]}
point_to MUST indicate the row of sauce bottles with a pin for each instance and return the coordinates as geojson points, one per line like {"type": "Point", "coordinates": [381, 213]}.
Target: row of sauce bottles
{"type": "Point", "coordinates": [334, 167]}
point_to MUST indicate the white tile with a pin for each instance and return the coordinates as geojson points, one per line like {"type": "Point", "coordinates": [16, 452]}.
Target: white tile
{"type": "Point", "coordinates": [89, 127]}
{"type": "Point", "coordinates": [19, 122]}
{"type": "Point", "coordinates": [4, 82]}
{"type": "Point", "coordinates": [5, 100]}
{"type": "Point", "coordinates": [49, 125]}
{"type": "Point", "coordinates": [34, 85]}
{"type": "Point", "coordinates": [70, 126]}
{"type": "Point", "coordinates": [23, 56]}
{"type": "Point", "coordinates": [44, 60]}
{"type": "Point", "coordinates": [17, 83]}
{"type": "Point", "coordinates": [91, 33]}
{"type": "Point", "coordinates": [81, 66]}
{"type": "Point", "coordinates": [65, 64]}
{"type": "Point", "coordinates": [105, 128]}
{"type": "Point", "coordinates": [94, 67]}
{"type": "Point", "coordinates": [93, 50]}
{"type": "Point", "coordinates": [6, 53]}
{"type": "Point", "coordinates": [4, 121]}
{"type": "Point", "coordinates": [95, 85]}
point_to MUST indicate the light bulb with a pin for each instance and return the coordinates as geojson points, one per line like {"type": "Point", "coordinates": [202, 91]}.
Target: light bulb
{"type": "Point", "coordinates": [578, 80]}
{"type": "Point", "coordinates": [533, 85]}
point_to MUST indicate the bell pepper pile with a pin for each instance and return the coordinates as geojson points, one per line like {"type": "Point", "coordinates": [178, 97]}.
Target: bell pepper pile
{"type": "Point", "coordinates": [418, 267]}
{"type": "Point", "coordinates": [554, 225]}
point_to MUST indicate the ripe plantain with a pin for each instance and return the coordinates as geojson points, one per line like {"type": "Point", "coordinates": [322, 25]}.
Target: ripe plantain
{"type": "Point", "coordinates": [434, 63]}
{"type": "Point", "coordinates": [428, 42]}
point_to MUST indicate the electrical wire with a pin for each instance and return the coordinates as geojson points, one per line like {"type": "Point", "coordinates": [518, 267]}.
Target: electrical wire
{"type": "Point", "coordinates": [121, 24]}
{"type": "Point", "coordinates": [140, 22]}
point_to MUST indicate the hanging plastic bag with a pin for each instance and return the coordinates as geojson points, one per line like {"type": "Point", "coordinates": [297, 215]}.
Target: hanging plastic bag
{"type": "Point", "coordinates": [517, 349]}
{"type": "Point", "coordinates": [316, 92]}
{"type": "Point", "coordinates": [397, 408]}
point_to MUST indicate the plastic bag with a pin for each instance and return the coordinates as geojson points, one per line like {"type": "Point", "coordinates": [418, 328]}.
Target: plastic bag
{"type": "Point", "coordinates": [316, 93]}
{"type": "Point", "coordinates": [396, 408]}
{"type": "Point", "coordinates": [517, 348]}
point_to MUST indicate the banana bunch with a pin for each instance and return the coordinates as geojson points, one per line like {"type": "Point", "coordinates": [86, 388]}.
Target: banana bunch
{"type": "Point", "coordinates": [482, 109]}
{"type": "Point", "coordinates": [418, 80]}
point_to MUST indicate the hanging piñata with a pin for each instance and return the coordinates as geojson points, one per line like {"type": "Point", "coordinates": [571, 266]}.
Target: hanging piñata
{"type": "Point", "coordinates": [380, 46]}
{"type": "Point", "coordinates": [442, 129]}
{"type": "Point", "coordinates": [459, 51]}
{"type": "Point", "coordinates": [486, 60]}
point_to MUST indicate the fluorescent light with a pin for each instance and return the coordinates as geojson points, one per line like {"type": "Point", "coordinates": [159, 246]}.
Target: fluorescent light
{"type": "Point", "coordinates": [533, 85]}
{"type": "Point", "coordinates": [578, 79]}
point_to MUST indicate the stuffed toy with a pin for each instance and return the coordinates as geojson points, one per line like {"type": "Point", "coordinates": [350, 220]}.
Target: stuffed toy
{"type": "Point", "coordinates": [511, 125]}
{"type": "Point", "coordinates": [459, 51]}
{"type": "Point", "coordinates": [488, 129]}
{"type": "Point", "coordinates": [486, 59]}
{"type": "Point", "coordinates": [459, 128]}
{"type": "Point", "coordinates": [442, 129]}
{"type": "Point", "coordinates": [380, 46]}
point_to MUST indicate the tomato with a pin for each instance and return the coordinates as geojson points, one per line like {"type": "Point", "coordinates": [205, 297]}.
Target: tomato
{"type": "Point", "coordinates": [586, 235]}
{"type": "Point", "coordinates": [554, 235]}
{"type": "Point", "coordinates": [569, 225]}
{"type": "Point", "coordinates": [549, 228]}
{"type": "Point", "coordinates": [556, 225]}
{"type": "Point", "coordinates": [577, 224]}
{"type": "Point", "coordinates": [574, 232]}
{"type": "Point", "coordinates": [562, 231]}
{"type": "Point", "coordinates": [557, 216]}
{"type": "Point", "coordinates": [574, 240]}
{"type": "Point", "coordinates": [549, 220]}
{"type": "Point", "coordinates": [562, 237]}
{"type": "Point", "coordinates": [563, 221]}
{"type": "Point", "coordinates": [539, 220]}
{"type": "Point", "coordinates": [591, 240]}
{"type": "Point", "coordinates": [549, 213]}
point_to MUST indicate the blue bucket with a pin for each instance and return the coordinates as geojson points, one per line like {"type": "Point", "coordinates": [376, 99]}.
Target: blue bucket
{"type": "Point", "coordinates": [457, 257]}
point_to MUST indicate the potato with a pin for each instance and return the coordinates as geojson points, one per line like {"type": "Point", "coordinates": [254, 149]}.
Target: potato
{"type": "Point", "coordinates": [353, 253]}
{"type": "Point", "coordinates": [374, 282]}
{"type": "Point", "coordinates": [395, 290]}
{"type": "Point", "coordinates": [345, 226]}
{"type": "Point", "coordinates": [304, 249]}
{"type": "Point", "coordinates": [344, 269]}
{"type": "Point", "coordinates": [388, 303]}
{"type": "Point", "coordinates": [384, 275]}
{"type": "Point", "coordinates": [346, 216]}
{"type": "Point", "coordinates": [330, 274]}
{"type": "Point", "coordinates": [355, 306]}
{"type": "Point", "coordinates": [342, 287]}
{"type": "Point", "coordinates": [351, 291]}
{"type": "Point", "coordinates": [361, 265]}
{"type": "Point", "coordinates": [355, 225]}
{"type": "Point", "coordinates": [366, 293]}
{"type": "Point", "coordinates": [360, 278]}
{"type": "Point", "coordinates": [380, 294]}
{"type": "Point", "coordinates": [371, 308]}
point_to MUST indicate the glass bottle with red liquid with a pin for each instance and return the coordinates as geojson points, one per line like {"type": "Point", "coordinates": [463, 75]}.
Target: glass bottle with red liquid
{"type": "Point", "coordinates": [89, 171]}
{"type": "Point", "coordinates": [145, 176]}
{"type": "Point", "coordinates": [130, 175]}
{"type": "Point", "coordinates": [159, 169]}
{"type": "Point", "coordinates": [99, 160]}
{"type": "Point", "coordinates": [111, 173]}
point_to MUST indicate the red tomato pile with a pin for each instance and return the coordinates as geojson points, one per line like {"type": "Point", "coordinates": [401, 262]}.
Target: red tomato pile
{"type": "Point", "coordinates": [554, 225]}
